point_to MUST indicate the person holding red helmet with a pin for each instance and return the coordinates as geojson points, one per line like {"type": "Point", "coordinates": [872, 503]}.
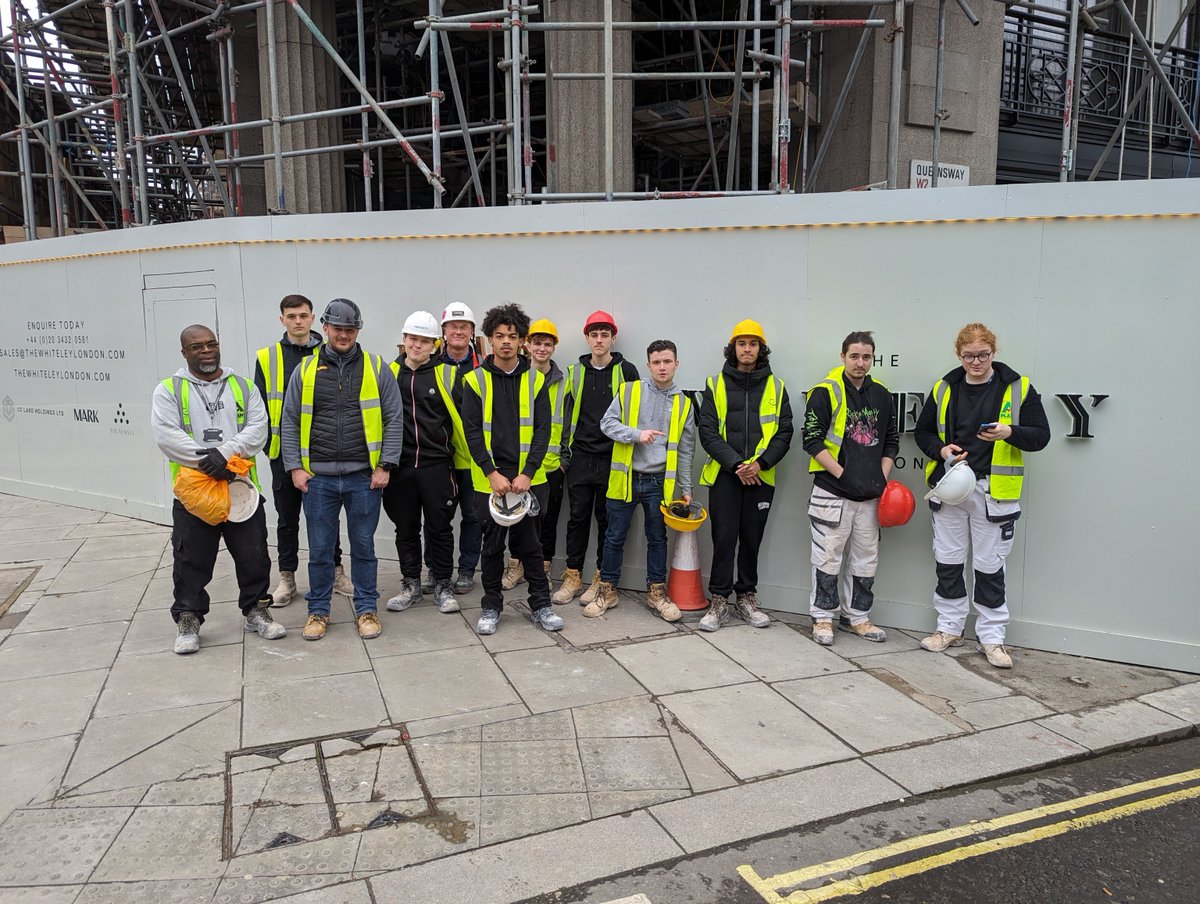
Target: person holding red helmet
{"type": "Point", "coordinates": [851, 433]}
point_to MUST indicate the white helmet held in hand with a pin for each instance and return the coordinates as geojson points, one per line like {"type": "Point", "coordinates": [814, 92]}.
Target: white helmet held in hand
{"type": "Point", "coordinates": [456, 310]}
{"type": "Point", "coordinates": [956, 484]}
{"type": "Point", "coordinates": [508, 509]}
{"type": "Point", "coordinates": [422, 323]}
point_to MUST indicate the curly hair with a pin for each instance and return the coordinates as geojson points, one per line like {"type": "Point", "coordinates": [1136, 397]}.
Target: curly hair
{"type": "Point", "coordinates": [509, 314]}
{"type": "Point", "coordinates": [764, 352]}
{"type": "Point", "coordinates": [974, 332]}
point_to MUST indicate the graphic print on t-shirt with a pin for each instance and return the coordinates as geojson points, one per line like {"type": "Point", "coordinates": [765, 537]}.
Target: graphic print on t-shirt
{"type": "Point", "coordinates": [862, 426]}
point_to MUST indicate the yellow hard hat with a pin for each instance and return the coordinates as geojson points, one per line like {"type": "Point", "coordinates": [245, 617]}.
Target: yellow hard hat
{"type": "Point", "coordinates": [689, 518]}
{"type": "Point", "coordinates": [544, 327]}
{"type": "Point", "coordinates": [749, 328]}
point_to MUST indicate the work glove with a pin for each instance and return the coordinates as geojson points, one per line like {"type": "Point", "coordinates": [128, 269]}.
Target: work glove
{"type": "Point", "coordinates": [213, 463]}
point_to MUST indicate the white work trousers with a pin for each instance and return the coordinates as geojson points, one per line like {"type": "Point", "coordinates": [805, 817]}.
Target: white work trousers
{"type": "Point", "coordinates": [988, 526]}
{"type": "Point", "coordinates": [845, 532]}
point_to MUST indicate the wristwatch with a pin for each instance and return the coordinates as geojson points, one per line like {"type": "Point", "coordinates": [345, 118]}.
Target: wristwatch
{"type": "Point", "coordinates": [387, 466]}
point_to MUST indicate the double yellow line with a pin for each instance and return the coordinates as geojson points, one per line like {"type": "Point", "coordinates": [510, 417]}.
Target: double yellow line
{"type": "Point", "coordinates": [771, 888]}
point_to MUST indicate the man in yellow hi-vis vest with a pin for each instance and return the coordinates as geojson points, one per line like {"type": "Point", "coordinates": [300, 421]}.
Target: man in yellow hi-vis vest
{"type": "Point", "coordinates": [342, 436]}
{"type": "Point", "coordinates": [987, 413]}
{"type": "Point", "coordinates": [200, 418]}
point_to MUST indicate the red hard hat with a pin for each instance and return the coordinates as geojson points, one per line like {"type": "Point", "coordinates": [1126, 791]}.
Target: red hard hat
{"type": "Point", "coordinates": [600, 318]}
{"type": "Point", "coordinates": [896, 505]}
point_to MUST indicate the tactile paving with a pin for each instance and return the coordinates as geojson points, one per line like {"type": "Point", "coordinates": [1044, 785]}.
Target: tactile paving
{"type": "Point", "coordinates": [306, 822]}
{"type": "Point", "coordinates": [396, 778]}
{"type": "Point", "coordinates": [329, 855]}
{"type": "Point", "coordinates": [608, 803]}
{"type": "Point", "coordinates": [530, 767]}
{"type": "Point", "coordinates": [253, 889]}
{"type": "Point", "coordinates": [450, 770]}
{"type": "Point", "coordinates": [634, 717]}
{"type": "Point", "coordinates": [379, 813]}
{"type": "Point", "coordinates": [294, 783]}
{"type": "Point", "coordinates": [190, 792]}
{"type": "Point", "coordinates": [352, 776]}
{"type": "Point", "coordinates": [514, 816]}
{"type": "Point", "coordinates": [543, 727]}
{"type": "Point", "coordinates": [631, 764]}
{"type": "Point", "coordinates": [166, 843]}
{"type": "Point", "coordinates": [167, 891]}
{"type": "Point", "coordinates": [56, 847]}
{"type": "Point", "coordinates": [248, 786]}
{"type": "Point", "coordinates": [455, 829]}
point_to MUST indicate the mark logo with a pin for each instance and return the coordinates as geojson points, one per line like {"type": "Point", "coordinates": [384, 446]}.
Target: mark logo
{"type": "Point", "coordinates": [87, 415]}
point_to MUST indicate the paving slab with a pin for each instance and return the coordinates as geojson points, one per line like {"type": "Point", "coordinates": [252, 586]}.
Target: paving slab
{"type": "Point", "coordinates": [292, 658]}
{"type": "Point", "coordinates": [421, 629]}
{"type": "Point", "coordinates": [938, 676]}
{"type": "Point", "coordinates": [31, 517]}
{"type": "Point", "coordinates": [551, 678]}
{"type": "Point", "coordinates": [704, 772]}
{"type": "Point", "coordinates": [683, 663]}
{"type": "Point", "coordinates": [34, 535]}
{"type": "Point", "coordinates": [734, 814]}
{"type": "Point", "coordinates": [555, 726]}
{"type": "Point", "coordinates": [295, 614]}
{"type": "Point", "coordinates": [56, 847]}
{"type": "Point", "coordinates": [307, 822]}
{"type": "Point", "coordinates": [455, 830]}
{"type": "Point", "coordinates": [292, 710]}
{"type": "Point", "coordinates": [165, 680]}
{"type": "Point", "coordinates": [530, 767]}
{"type": "Point", "coordinates": [294, 783]}
{"type": "Point", "coordinates": [104, 549]}
{"type": "Point", "coordinates": [628, 718]}
{"type": "Point", "coordinates": [30, 716]}
{"type": "Point", "coordinates": [517, 634]}
{"type": "Point", "coordinates": [1182, 702]}
{"type": "Point", "coordinates": [77, 576]}
{"type": "Point", "coordinates": [851, 646]}
{"type": "Point", "coordinates": [441, 724]}
{"type": "Point", "coordinates": [252, 889]}
{"type": "Point", "coordinates": [329, 856]}
{"type": "Point", "coordinates": [42, 894]}
{"type": "Point", "coordinates": [777, 653]}
{"type": "Point", "coordinates": [188, 792]}
{"type": "Point", "coordinates": [117, 603]}
{"type": "Point", "coordinates": [75, 649]}
{"type": "Point", "coordinates": [166, 843]}
{"type": "Point", "coordinates": [864, 712]}
{"type": "Point", "coordinates": [609, 803]}
{"type": "Point", "coordinates": [631, 764]}
{"type": "Point", "coordinates": [451, 769]}
{"type": "Point", "coordinates": [116, 526]}
{"type": "Point", "coordinates": [346, 893]}
{"type": "Point", "coordinates": [515, 870]}
{"type": "Point", "coordinates": [181, 891]}
{"type": "Point", "coordinates": [753, 731]}
{"type": "Point", "coordinates": [1001, 711]}
{"type": "Point", "coordinates": [975, 757]}
{"type": "Point", "coordinates": [442, 682]}
{"type": "Point", "coordinates": [153, 631]}
{"type": "Point", "coordinates": [22, 550]}
{"type": "Point", "coordinates": [1117, 725]}
{"type": "Point", "coordinates": [518, 815]}
{"type": "Point", "coordinates": [631, 620]}
{"type": "Point", "coordinates": [352, 776]}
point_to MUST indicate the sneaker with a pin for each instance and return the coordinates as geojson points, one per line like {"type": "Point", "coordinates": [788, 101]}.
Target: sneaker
{"type": "Point", "coordinates": [260, 620]}
{"type": "Point", "coordinates": [717, 614]}
{"type": "Point", "coordinates": [514, 574]}
{"type": "Point", "coordinates": [369, 626]}
{"type": "Point", "coordinates": [572, 583]}
{"type": "Point", "coordinates": [315, 627]}
{"type": "Point", "coordinates": [342, 583]}
{"type": "Point", "coordinates": [606, 598]}
{"type": "Point", "coordinates": [464, 581]}
{"type": "Point", "coordinates": [822, 631]}
{"type": "Point", "coordinates": [427, 582]}
{"type": "Point", "coordinates": [593, 591]}
{"type": "Point", "coordinates": [996, 655]}
{"type": "Point", "coordinates": [443, 597]}
{"type": "Point", "coordinates": [661, 603]}
{"type": "Point", "coordinates": [488, 619]}
{"type": "Point", "coordinates": [748, 611]}
{"type": "Point", "coordinates": [546, 619]}
{"type": "Point", "coordinates": [940, 641]}
{"type": "Point", "coordinates": [286, 591]}
{"type": "Point", "coordinates": [188, 638]}
{"type": "Point", "coordinates": [865, 630]}
{"type": "Point", "coordinates": [410, 592]}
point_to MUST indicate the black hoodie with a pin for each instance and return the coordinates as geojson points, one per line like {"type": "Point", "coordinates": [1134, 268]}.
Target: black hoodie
{"type": "Point", "coordinates": [743, 429]}
{"type": "Point", "coordinates": [506, 416]}
{"type": "Point", "coordinates": [871, 436]}
{"type": "Point", "coordinates": [428, 427]}
{"type": "Point", "coordinates": [587, 437]}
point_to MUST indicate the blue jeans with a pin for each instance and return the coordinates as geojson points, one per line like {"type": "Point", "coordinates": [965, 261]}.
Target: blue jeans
{"type": "Point", "coordinates": [648, 493]}
{"type": "Point", "coordinates": [322, 513]}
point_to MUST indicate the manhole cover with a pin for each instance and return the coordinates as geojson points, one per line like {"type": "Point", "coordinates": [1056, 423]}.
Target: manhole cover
{"type": "Point", "coordinates": [13, 582]}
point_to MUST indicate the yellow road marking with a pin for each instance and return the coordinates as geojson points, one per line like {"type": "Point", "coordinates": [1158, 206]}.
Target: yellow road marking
{"type": "Point", "coordinates": [769, 887]}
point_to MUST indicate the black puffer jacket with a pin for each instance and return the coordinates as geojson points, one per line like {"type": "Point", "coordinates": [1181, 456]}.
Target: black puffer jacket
{"type": "Point", "coordinates": [743, 428]}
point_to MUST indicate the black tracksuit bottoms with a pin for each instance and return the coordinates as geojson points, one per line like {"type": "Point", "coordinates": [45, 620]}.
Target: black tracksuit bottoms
{"type": "Point", "coordinates": [430, 492]}
{"type": "Point", "coordinates": [587, 496]}
{"type": "Point", "coordinates": [738, 514]}
{"type": "Point", "coordinates": [288, 501]}
{"type": "Point", "coordinates": [548, 519]}
{"type": "Point", "coordinates": [195, 544]}
{"type": "Point", "coordinates": [524, 543]}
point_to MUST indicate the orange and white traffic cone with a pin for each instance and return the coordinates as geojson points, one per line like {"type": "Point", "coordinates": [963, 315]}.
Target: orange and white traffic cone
{"type": "Point", "coordinates": [684, 586]}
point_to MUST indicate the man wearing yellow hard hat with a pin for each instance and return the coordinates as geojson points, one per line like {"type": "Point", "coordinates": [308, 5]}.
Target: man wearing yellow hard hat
{"type": "Point", "coordinates": [746, 429]}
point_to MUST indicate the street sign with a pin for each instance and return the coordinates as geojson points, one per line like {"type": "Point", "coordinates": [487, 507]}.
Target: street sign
{"type": "Point", "coordinates": [949, 175]}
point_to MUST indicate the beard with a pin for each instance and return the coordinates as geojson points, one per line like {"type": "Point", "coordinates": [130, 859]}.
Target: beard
{"type": "Point", "coordinates": [208, 368]}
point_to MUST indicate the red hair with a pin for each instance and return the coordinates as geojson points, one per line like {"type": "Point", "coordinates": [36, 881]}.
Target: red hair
{"type": "Point", "coordinates": [974, 332]}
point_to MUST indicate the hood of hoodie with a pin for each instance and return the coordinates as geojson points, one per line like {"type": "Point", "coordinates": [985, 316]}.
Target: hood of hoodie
{"type": "Point", "coordinates": [314, 339]}
{"type": "Point", "coordinates": [1001, 370]}
{"type": "Point", "coordinates": [489, 363]}
{"type": "Point", "coordinates": [755, 377]}
{"type": "Point", "coordinates": [192, 378]}
{"type": "Point", "coordinates": [554, 375]}
{"type": "Point", "coordinates": [431, 364]}
{"type": "Point", "coordinates": [617, 358]}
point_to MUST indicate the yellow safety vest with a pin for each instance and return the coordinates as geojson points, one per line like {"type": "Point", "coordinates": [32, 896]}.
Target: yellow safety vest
{"type": "Point", "coordinates": [575, 375]}
{"type": "Point", "coordinates": [528, 394]}
{"type": "Point", "coordinates": [181, 390]}
{"type": "Point", "coordinates": [276, 387]}
{"type": "Point", "coordinates": [836, 433]}
{"type": "Point", "coordinates": [368, 402]}
{"type": "Point", "coordinates": [1008, 470]}
{"type": "Point", "coordinates": [620, 480]}
{"type": "Point", "coordinates": [770, 409]}
{"type": "Point", "coordinates": [445, 384]}
{"type": "Point", "coordinates": [558, 398]}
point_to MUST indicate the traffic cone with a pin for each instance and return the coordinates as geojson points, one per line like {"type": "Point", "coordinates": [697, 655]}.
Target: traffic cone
{"type": "Point", "coordinates": [684, 586]}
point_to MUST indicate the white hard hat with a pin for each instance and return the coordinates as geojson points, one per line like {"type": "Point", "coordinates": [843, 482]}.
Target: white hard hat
{"type": "Point", "coordinates": [422, 323]}
{"type": "Point", "coordinates": [458, 311]}
{"type": "Point", "coordinates": [243, 499]}
{"type": "Point", "coordinates": [508, 509]}
{"type": "Point", "coordinates": [956, 484]}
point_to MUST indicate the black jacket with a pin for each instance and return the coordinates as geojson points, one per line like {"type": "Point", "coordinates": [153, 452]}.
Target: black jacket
{"type": "Point", "coordinates": [292, 356]}
{"type": "Point", "coordinates": [871, 436]}
{"type": "Point", "coordinates": [594, 399]}
{"type": "Point", "coordinates": [428, 427]}
{"type": "Point", "coordinates": [506, 414]}
{"type": "Point", "coordinates": [743, 429]}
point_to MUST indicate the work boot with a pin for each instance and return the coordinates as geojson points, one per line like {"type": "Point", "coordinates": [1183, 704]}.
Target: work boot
{"type": "Point", "coordinates": [717, 614]}
{"type": "Point", "coordinates": [572, 583]}
{"type": "Point", "coordinates": [546, 619]}
{"type": "Point", "coordinates": [661, 603]}
{"type": "Point", "coordinates": [443, 597]}
{"type": "Point", "coordinates": [315, 627]}
{"type": "Point", "coordinates": [546, 563]}
{"type": "Point", "coordinates": [187, 640]}
{"type": "Point", "coordinates": [996, 655]}
{"type": "Point", "coordinates": [427, 582]}
{"type": "Point", "coordinates": [342, 583]}
{"type": "Point", "coordinates": [464, 581]}
{"type": "Point", "coordinates": [865, 630]}
{"type": "Point", "coordinates": [822, 631]}
{"type": "Point", "coordinates": [488, 619]}
{"type": "Point", "coordinates": [940, 641]}
{"type": "Point", "coordinates": [592, 593]}
{"type": "Point", "coordinates": [410, 592]}
{"type": "Point", "coordinates": [514, 574]}
{"type": "Point", "coordinates": [283, 594]}
{"type": "Point", "coordinates": [606, 598]}
{"type": "Point", "coordinates": [748, 611]}
{"type": "Point", "coordinates": [260, 620]}
{"type": "Point", "coordinates": [369, 626]}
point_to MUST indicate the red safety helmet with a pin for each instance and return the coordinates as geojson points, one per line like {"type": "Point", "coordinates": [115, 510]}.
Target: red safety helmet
{"type": "Point", "coordinates": [896, 505]}
{"type": "Point", "coordinates": [600, 318]}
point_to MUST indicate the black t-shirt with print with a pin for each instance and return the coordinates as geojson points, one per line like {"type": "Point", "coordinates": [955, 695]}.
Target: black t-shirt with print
{"type": "Point", "coordinates": [871, 435]}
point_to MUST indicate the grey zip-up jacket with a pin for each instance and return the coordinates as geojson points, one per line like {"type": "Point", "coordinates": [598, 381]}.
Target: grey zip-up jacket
{"type": "Point", "coordinates": [654, 413]}
{"type": "Point", "coordinates": [211, 404]}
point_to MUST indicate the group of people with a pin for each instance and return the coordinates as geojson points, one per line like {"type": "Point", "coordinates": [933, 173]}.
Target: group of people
{"type": "Point", "coordinates": [504, 438]}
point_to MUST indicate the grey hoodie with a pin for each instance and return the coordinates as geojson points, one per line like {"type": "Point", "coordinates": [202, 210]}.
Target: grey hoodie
{"type": "Point", "coordinates": [654, 413]}
{"type": "Point", "coordinates": [211, 404]}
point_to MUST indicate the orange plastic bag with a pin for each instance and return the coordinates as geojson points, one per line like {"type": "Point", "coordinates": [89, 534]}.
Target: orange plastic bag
{"type": "Point", "coordinates": [207, 497]}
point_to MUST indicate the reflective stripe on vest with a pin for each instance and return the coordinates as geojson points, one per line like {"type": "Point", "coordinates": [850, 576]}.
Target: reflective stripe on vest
{"type": "Point", "coordinates": [181, 390]}
{"type": "Point", "coordinates": [368, 403]}
{"type": "Point", "coordinates": [527, 397]}
{"type": "Point", "coordinates": [836, 434]}
{"type": "Point", "coordinates": [575, 375]}
{"type": "Point", "coordinates": [1007, 470]}
{"type": "Point", "coordinates": [770, 409]}
{"type": "Point", "coordinates": [276, 388]}
{"type": "Point", "coordinates": [620, 479]}
{"type": "Point", "coordinates": [558, 399]}
{"type": "Point", "coordinates": [445, 384]}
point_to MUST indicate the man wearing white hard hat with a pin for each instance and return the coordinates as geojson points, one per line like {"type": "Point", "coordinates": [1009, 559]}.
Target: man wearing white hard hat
{"type": "Point", "coordinates": [985, 415]}
{"type": "Point", "coordinates": [423, 484]}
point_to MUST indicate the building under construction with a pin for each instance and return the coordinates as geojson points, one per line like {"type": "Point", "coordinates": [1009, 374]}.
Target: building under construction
{"type": "Point", "coordinates": [117, 113]}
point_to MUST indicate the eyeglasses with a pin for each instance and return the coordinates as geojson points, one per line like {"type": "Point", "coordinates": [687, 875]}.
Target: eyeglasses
{"type": "Point", "coordinates": [210, 346]}
{"type": "Point", "coordinates": [981, 357]}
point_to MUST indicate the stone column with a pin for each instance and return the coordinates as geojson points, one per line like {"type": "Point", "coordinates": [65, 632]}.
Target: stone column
{"type": "Point", "coordinates": [250, 141]}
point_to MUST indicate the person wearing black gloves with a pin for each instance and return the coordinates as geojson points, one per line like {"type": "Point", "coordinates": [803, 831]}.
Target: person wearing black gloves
{"type": "Point", "coordinates": [851, 433]}
{"type": "Point", "coordinates": [988, 414]}
{"type": "Point", "coordinates": [201, 417]}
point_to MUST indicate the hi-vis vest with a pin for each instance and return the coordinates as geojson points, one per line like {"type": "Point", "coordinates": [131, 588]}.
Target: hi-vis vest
{"type": "Point", "coordinates": [445, 384]}
{"type": "Point", "coordinates": [1008, 468]}
{"type": "Point", "coordinates": [620, 480]}
{"type": "Point", "coordinates": [181, 390]}
{"type": "Point", "coordinates": [558, 397]}
{"type": "Point", "coordinates": [276, 386]}
{"type": "Point", "coordinates": [575, 375]}
{"type": "Point", "coordinates": [479, 381]}
{"type": "Point", "coordinates": [770, 407]}
{"type": "Point", "coordinates": [368, 402]}
{"type": "Point", "coordinates": [837, 420]}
